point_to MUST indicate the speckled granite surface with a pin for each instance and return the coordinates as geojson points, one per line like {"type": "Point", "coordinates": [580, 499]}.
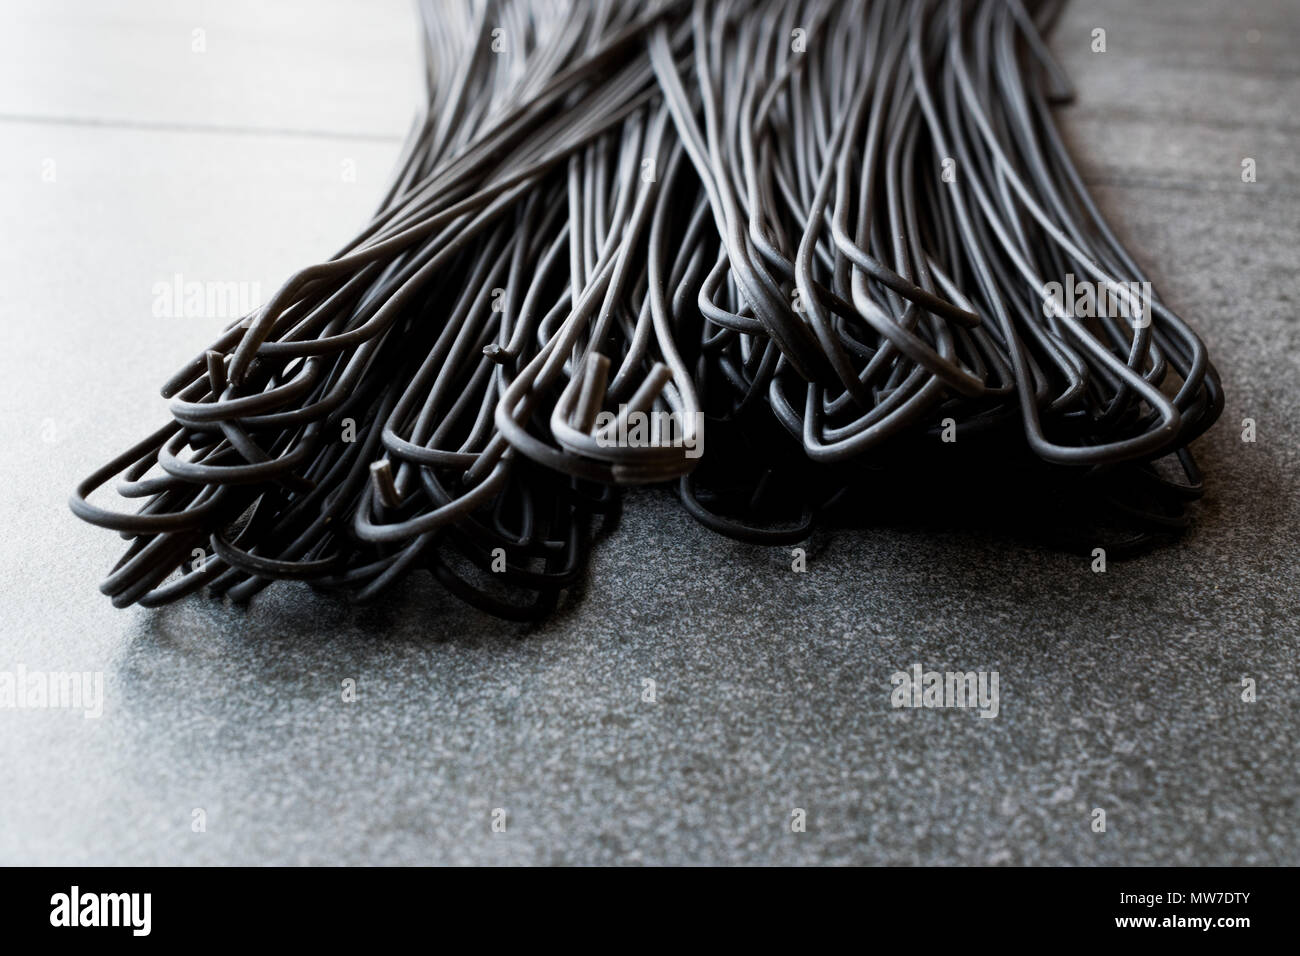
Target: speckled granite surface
{"type": "Point", "coordinates": [1119, 691]}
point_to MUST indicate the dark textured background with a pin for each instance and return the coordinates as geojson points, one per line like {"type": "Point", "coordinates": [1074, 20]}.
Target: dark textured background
{"type": "Point", "coordinates": [1118, 690]}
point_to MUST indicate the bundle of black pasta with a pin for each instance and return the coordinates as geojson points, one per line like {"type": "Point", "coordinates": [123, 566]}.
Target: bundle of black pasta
{"type": "Point", "coordinates": [834, 238]}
